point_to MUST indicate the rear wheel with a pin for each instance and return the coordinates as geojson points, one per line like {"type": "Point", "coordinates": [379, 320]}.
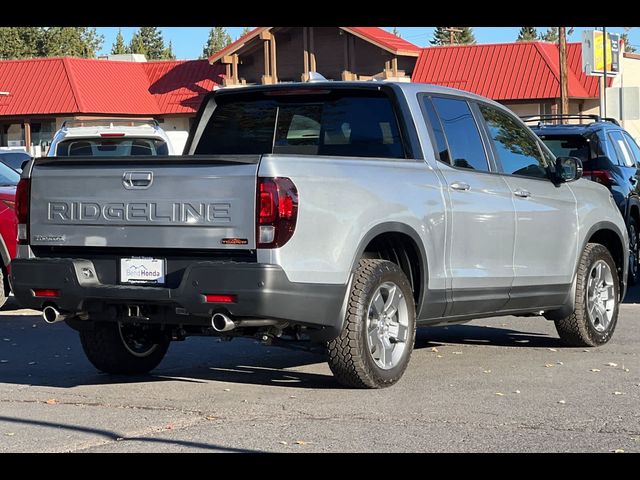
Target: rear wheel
{"type": "Point", "coordinates": [4, 287]}
{"type": "Point", "coordinates": [117, 348]}
{"type": "Point", "coordinates": [594, 319]}
{"type": "Point", "coordinates": [634, 253]}
{"type": "Point", "coordinates": [375, 345]}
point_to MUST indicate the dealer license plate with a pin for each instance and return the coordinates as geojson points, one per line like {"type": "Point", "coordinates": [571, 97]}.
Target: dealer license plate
{"type": "Point", "coordinates": [142, 270]}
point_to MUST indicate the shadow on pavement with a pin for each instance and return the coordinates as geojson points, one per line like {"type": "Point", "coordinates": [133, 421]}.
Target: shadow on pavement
{"type": "Point", "coordinates": [481, 335]}
{"type": "Point", "coordinates": [113, 436]}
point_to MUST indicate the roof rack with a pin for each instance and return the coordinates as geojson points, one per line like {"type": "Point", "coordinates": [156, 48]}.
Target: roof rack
{"type": "Point", "coordinates": [541, 118]}
{"type": "Point", "coordinates": [110, 122]}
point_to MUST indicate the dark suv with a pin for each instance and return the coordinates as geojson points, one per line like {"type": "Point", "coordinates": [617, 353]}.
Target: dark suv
{"type": "Point", "coordinates": [609, 155]}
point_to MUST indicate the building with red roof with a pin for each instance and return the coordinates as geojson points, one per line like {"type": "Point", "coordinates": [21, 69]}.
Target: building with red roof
{"type": "Point", "coordinates": [37, 95]}
{"type": "Point", "coordinates": [287, 54]}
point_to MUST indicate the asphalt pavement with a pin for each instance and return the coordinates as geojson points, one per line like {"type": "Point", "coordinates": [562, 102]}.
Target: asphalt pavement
{"type": "Point", "coordinates": [493, 385]}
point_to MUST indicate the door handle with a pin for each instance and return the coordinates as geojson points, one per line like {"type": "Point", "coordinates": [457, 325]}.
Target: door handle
{"type": "Point", "coordinates": [522, 193]}
{"type": "Point", "coordinates": [460, 186]}
{"type": "Point", "coordinates": [137, 180]}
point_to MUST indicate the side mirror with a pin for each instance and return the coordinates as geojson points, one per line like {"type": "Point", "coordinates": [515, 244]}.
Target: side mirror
{"type": "Point", "coordinates": [568, 169]}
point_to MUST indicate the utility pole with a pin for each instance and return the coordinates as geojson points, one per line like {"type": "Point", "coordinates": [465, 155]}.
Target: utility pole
{"type": "Point", "coordinates": [564, 89]}
{"type": "Point", "coordinates": [604, 70]}
{"type": "Point", "coordinates": [452, 31]}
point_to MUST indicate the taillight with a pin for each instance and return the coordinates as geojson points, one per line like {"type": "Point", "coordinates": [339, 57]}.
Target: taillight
{"type": "Point", "coordinates": [276, 211]}
{"type": "Point", "coordinates": [23, 193]}
{"type": "Point", "coordinates": [601, 176]}
{"type": "Point", "coordinates": [112, 134]}
{"type": "Point", "coordinates": [46, 293]}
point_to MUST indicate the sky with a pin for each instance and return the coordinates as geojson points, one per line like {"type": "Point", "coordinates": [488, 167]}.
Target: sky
{"type": "Point", "coordinates": [189, 41]}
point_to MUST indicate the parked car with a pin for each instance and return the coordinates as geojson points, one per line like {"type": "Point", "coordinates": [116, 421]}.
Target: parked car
{"type": "Point", "coordinates": [343, 214]}
{"type": "Point", "coordinates": [610, 156]}
{"type": "Point", "coordinates": [8, 227]}
{"type": "Point", "coordinates": [110, 138]}
{"type": "Point", "coordinates": [14, 158]}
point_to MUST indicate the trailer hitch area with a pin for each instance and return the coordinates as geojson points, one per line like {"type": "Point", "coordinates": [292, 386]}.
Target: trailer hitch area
{"type": "Point", "coordinates": [135, 312]}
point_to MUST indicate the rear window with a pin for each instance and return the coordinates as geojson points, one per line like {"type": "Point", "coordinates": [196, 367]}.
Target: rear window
{"type": "Point", "coordinates": [111, 147]}
{"type": "Point", "coordinates": [568, 146]}
{"type": "Point", "coordinates": [335, 123]}
{"type": "Point", "coordinates": [14, 159]}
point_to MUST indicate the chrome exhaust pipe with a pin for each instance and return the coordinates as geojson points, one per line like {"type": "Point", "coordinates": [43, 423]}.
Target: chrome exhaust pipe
{"type": "Point", "coordinates": [52, 315]}
{"type": "Point", "coordinates": [221, 323]}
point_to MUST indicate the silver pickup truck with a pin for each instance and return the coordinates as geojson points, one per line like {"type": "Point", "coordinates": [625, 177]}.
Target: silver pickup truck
{"type": "Point", "coordinates": [341, 214]}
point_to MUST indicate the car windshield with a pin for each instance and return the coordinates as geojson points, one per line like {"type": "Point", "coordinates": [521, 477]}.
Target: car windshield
{"type": "Point", "coordinates": [111, 147]}
{"type": "Point", "coordinates": [8, 176]}
{"type": "Point", "coordinates": [14, 159]}
{"type": "Point", "coordinates": [568, 146]}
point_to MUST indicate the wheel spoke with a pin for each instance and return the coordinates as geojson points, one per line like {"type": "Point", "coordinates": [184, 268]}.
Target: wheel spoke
{"type": "Point", "coordinates": [401, 336]}
{"type": "Point", "coordinates": [393, 300]}
{"type": "Point", "coordinates": [373, 338]}
{"type": "Point", "coordinates": [378, 303]}
{"type": "Point", "coordinates": [382, 352]}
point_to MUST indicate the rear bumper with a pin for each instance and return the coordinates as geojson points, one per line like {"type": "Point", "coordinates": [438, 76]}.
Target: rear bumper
{"type": "Point", "coordinates": [261, 291]}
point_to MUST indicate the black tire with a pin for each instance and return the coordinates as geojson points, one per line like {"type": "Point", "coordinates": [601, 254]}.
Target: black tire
{"type": "Point", "coordinates": [4, 287]}
{"type": "Point", "coordinates": [634, 252]}
{"type": "Point", "coordinates": [105, 348]}
{"type": "Point", "coordinates": [577, 330]}
{"type": "Point", "coordinates": [349, 355]}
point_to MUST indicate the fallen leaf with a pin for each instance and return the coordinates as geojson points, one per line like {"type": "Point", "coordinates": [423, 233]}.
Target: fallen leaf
{"type": "Point", "coordinates": [618, 450]}
{"type": "Point", "coordinates": [34, 326]}
{"type": "Point", "coordinates": [9, 434]}
{"type": "Point", "coordinates": [300, 442]}
{"type": "Point", "coordinates": [562, 402]}
{"type": "Point", "coordinates": [611, 364]}
{"type": "Point", "coordinates": [500, 394]}
{"type": "Point", "coordinates": [626, 370]}
{"type": "Point", "coordinates": [438, 356]}
{"type": "Point", "coordinates": [553, 349]}
{"type": "Point", "coordinates": [6, 339]}
{"type": "Point", "coordinates": [595, 369]}
{"type": "Point", "coordinates": [292, 396]}
{"type": "Point", "coordinates": [517, 391]}
{"type": "Point", "coordinates": [169, 427]}
{"type": "Point", "coordinates": [434, 349]}
{"type": "Point", "coordinates": [33, 363]}
{"type": "Point", "coordinates": [486, 371]}
{"type": "Point", "coordinates": [548, 365]}
{"type": "Point", "coordinates": [457, 353]}
{"type": "Point", "coordinates": [51, 401]}
{"type": "Point", "coordinates": [282, 442]}
{"type": "Point", "coordinates": [211, 417]}
{"type": "Point", "coordinates": [618, 393]}
{"type": "Point", "coordinates": [559, 363]}
{"type": "Point", "coordinates": [227, 389]}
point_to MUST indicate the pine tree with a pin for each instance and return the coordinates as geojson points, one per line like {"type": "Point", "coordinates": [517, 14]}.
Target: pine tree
{"type": "Point", "coordinates": [168, 53]}
{"type": "Point", "coordinates": [628, 48]}
{"type": "Point", "coordinates": [218, 39]}
{"type": "Point", "coordinates": [441, 36]}
{"type": "Point", "coordinates": [551, 35]}
{"type": "Point", "coordinates": [119, 47]}
{"type": "Point", "coordinates": [71, 41]}
{"type": "Point", "coordinates": [149, 42]}
{"type": "Point", "coordinates": [527, 34]}
{"type": "Point", "coordinates": [245, 30]}
{"type": "Point", "coordinates": [20, 42]}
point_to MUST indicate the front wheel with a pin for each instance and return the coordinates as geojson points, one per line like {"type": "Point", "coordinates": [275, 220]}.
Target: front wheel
{"type": "Point", "coordinates": [113, 347]}
{"type": "Point", "coordinates": [596, 304]}
{"type": "Point", "coordinates": [377, 339]}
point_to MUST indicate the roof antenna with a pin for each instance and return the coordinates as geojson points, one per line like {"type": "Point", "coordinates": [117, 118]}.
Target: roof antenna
{"type": "Point", "coordinates": [316, 77]}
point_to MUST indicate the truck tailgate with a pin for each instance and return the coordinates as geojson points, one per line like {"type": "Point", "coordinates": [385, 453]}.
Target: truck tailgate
{"type": "Point", "coordinates": [183, 202]}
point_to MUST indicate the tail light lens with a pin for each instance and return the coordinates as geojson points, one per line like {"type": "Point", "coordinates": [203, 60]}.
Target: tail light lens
{"type": "Point", "coordinates": [23, 194]}
{"type": "Point", "coordinates": [276, 211]}
{"type": "Point", "coordinates": [601, 176]}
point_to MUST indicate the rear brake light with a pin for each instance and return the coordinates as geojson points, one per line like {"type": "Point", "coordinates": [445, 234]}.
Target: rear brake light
{"type": "Point", "coordinates": [277, 211]}
{"type": "Point", "coordinates": [220, 298]}
{"type": "Point", "coordinates": [23, 192]}
{"type": "Point", "coordinates": [46, 292]}
{"type": "Point", "coordinates": [112, 134]}
{"type": "Point", "coordinates": [601, 176]}
{"type": "Point", "coordinates": [296, 91]}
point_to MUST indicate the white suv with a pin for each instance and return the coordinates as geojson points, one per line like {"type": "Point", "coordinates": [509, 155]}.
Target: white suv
{"type": "Point", "coordinates": [110, 137]}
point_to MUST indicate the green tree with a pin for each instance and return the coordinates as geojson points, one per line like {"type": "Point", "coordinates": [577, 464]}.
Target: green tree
{"type": "Point", "coordinates": [245, 30]}
{"type": "Point", "coordinates": [19, 42]}
{"type": "Point", "coordinates": [442, 36]}
{"type": "Point", "coordinates": [168, 53]}
{"type": "Point", "coordinates": [71, 41]}
{"type": "Point", "coordinates": [628, 48]}
{"type": "Point", "coordinates": [149, 42]}
{"type": "Point", "coordinates": [218, 39]}
{"type": "Point", "coordinates": [551, 35]}
{"type": "Point", "coordinates": [119, 47]}
{"type": "Point", "coordinates": [527, 34]}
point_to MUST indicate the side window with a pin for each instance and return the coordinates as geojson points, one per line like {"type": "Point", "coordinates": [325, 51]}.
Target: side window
{"type": "Point", "coordinates": [633, 146]}
{"type": "Point", "coordinates": [517, 149]}
{"type": "Point", "coordinates": [624, 155]}
{"type": "Point", "coordinates": [442, 152]}
{"type": "Point", "coordinates": [465, 145]}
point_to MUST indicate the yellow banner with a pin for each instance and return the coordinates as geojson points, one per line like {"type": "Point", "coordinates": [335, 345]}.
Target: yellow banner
{"type": "Point", "coordinates": [598, 49]}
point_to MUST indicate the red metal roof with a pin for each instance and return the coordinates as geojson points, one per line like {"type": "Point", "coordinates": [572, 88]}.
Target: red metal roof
{"type": "Point", "coordinates": [89, 86]}
{"type": "Point", "coordinates": [505, 71]}
{"type": "Point", "coordinates": [375, 35]}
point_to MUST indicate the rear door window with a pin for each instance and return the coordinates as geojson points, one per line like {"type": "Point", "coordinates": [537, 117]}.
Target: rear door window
{"type": "Point", "coordinates": [334, 123]}
{"type": "Point", "coordinates": [633, 146]}
{"type": "Point", "coordinates": [465, 144]}
{"type": "Point", "coordinates": [621, 149]}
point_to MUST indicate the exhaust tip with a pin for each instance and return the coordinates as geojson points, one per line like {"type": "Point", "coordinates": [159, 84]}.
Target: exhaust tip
{"type": "Point", "coordinates": [221, 323]}
{"type": "Point", "coordinates": [51, 315]}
